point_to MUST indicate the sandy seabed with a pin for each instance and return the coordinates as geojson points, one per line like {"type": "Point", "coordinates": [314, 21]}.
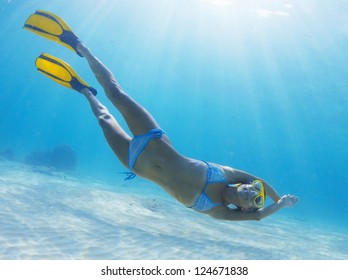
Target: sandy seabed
{"type": "Point", "coordinates": [50, 215]}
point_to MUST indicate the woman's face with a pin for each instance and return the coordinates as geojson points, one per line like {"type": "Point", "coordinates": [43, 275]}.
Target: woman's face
{"type": "Point", "coordinates": [246, 195]}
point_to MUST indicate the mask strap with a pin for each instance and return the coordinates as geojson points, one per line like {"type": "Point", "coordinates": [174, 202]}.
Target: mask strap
{"type": "Point", "coordinates": [234, 185]}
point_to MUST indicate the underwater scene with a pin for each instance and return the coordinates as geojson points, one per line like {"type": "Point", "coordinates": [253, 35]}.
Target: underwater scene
{"type": "Point", "coordinates": [257, 85]}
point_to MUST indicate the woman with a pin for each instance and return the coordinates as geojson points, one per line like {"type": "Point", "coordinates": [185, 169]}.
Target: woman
{"type": "Point", "coordinates": [205, 187]}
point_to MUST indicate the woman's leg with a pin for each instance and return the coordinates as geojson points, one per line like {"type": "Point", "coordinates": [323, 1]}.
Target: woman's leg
{"type": "Point", "coordinates": [138, 119]}
{"type": "Point", "coordinates": [117, 138]}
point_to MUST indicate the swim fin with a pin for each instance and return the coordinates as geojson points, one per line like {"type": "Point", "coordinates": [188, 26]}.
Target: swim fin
{"type": "Point", "coordinates": [61, 72]}
{"type": "Point", "coordinates": [52, 27]}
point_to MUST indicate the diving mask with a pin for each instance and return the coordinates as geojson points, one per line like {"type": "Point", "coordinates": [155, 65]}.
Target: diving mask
{"type": "Point", "coordinates": [258, 189]}
{"type": "Point", "coordinates": [259, 199]}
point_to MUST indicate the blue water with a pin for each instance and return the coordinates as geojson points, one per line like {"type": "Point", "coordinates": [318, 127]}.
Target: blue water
{"type": "Point", "coordinates": [257, 85]}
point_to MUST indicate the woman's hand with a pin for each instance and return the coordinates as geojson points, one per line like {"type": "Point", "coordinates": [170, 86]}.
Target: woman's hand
{"type": "Point", "coordinates": [288, 200]}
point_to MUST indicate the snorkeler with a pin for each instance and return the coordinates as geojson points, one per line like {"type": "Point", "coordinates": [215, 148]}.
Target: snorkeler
{"type": "Point", "coordinates": [221, 192]}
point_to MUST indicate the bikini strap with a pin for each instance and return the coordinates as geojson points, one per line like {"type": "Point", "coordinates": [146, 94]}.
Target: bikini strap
{"type": "Point", "coordinates": [130, 175]}
{"type": "Point", "coordinates": [215, 174]}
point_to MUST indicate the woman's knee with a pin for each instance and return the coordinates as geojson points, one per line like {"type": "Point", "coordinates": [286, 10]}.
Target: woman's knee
{"type": "Point", "coordinates": [111, 128]}
{"type": "Point", "coordinates": [118, 97]}
{"type": "Point", "coordinates": [105, 120]}
{"type": "Point", "coordinates": [116, 137]}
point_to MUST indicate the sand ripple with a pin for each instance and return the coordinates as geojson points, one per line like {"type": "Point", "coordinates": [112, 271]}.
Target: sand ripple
{"type": "Point", "coordinates": [51, 216]}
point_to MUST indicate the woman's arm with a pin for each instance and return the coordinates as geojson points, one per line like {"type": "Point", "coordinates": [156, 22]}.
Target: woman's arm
{"type": "Point", "coordinates": [270, 191]}
{"type": "Point", "coordinates": [234, 176]}
{"type": "Point", "coordinates": [225, 213]}
{"type": "Point", "coordinates": [285, 201]}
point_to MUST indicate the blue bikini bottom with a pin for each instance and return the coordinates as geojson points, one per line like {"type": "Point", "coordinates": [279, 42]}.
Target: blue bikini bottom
{"type": "Point", "coordinates": [137, 146]}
